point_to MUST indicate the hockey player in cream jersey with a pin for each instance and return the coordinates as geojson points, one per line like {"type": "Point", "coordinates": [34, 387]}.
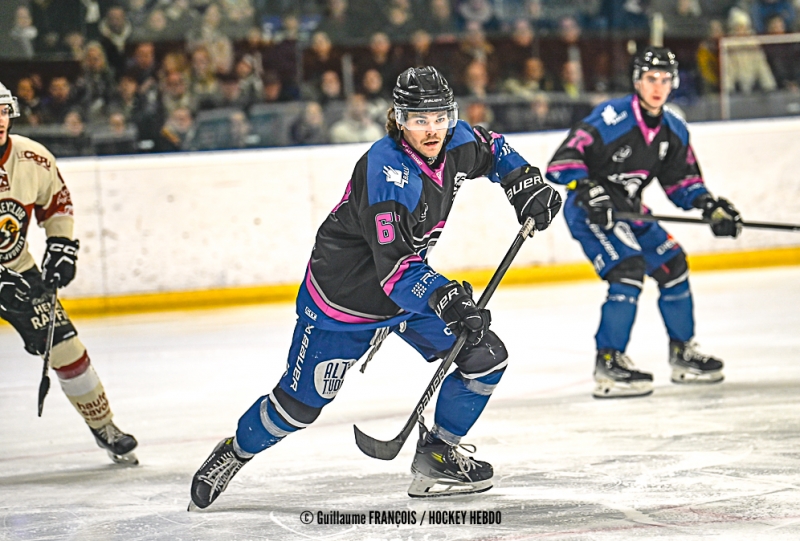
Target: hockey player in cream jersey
{"type": "Point", "coordinates": [31, 186]}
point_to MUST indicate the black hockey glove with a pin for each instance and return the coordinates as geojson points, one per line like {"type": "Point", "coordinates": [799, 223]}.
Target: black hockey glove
{"type": "Point", "coordinates": [725, 220]}
{"type": "Point", "coordinates": [14, 291]}
{"type": "Point", "coordinates": [594, 199]}
{"type": "Point", "coordinates": [532, 197]}
{"type": "Point", "coordinates": [454, 305]}
{"type": "Point", "coordinates": [58, 266]}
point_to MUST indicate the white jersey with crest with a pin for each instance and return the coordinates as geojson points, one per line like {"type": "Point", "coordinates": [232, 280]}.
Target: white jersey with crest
{"type": "Point", "coordinates": [30, 186]}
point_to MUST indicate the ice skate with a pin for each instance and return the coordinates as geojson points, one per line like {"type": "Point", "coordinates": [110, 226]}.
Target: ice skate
{"type": "Point", "coordinates": [213, 477]}
{"type": "Point", "coordinates": [690, 366]}
{"type": "Point", "coordinates": [117, 444]}
{"type": "Point", "coordinates": [440, 470]}
{"type": "Point", "coordinates": [616, 377]}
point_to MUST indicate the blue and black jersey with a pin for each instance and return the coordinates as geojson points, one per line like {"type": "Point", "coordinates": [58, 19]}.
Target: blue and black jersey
{"type": "Point", "coordinates": [369, 267]}
{"type": "Point", "coordinates": [615, 147]}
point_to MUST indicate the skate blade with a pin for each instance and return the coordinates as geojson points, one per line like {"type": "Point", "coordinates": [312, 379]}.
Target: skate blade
{"type": "Point", "coordinates": [128, 459]}
{"type": "Point", "coordinates": [423, 486]}
{"type": "Point", "coordinates": [192, 507]}
{"type": "Point", "coordinates": [616, 389]}
{"type": "Point", "coordinates": [683, 376]}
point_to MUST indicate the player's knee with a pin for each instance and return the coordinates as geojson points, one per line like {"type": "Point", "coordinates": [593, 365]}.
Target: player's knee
{"type": "Point", "coordinates": [629, 272]}
{"type": "Point", "coordinates": [483, 385]}
{"type": "Point", "coordinates": [673, 272]}
{"type": "Point", "coordinates": [291, 410]}
{"type": "Point", "coordinates": [488, 356]}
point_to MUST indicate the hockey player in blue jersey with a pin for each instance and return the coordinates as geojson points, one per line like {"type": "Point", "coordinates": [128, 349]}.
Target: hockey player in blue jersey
{"type": "Point", "coordinates": [368, 276]}
{"type": "Point", "coordinates": [606, 161]}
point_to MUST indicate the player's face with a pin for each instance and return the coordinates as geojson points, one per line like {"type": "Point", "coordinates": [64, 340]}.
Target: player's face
{"type": "Point", "coordinates": [5, 120]}
{"type": "Point", "coordinates": [425, 132]}
{"type": "Point", "coordinates": [654, 88]}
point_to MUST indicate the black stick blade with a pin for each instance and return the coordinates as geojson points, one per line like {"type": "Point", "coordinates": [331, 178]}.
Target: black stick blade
{"type": "Point", "coordinates": [383, 450]}
{"type": "Point", "coordinates": [44, 386]}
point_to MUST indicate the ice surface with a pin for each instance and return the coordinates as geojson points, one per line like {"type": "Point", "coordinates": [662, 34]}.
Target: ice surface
{"type": "Point", "coordinates": [710, 462]}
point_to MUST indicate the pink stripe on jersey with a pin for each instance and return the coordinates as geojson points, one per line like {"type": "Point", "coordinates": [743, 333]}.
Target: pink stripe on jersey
{"type": "Point", "coordinates": [648, 133]}
{"type": "Point", "coordinates": [683, 184]}
{"type": "Point", "coordinates": [561, 166]}
{"type": "Point", "coordinates": [388, 287]}
{"type": "Point", "coordinates": [329, 310]}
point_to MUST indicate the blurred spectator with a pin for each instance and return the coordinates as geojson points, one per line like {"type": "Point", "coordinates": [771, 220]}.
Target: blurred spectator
{"type": "Point", "coordinates": [115, 32]}
{"type": "Point", "coordinates": [763, 10]}
{"type": "Point", "coordinates": [116, 137]}
{"type": "Point", "coordinates": [136, 107]}
{"type": "Point", "coordinates": [283, 54]}
{"type": "Point", "coordinates": [208, 35]}
{"type": "Point", "coordinates": [96, 84]}
{"type": "Point", "coordinates": [77, 142]}
{"type": "Point", "coordinates": [23, 35]}
{"type": "Point", "coordinates": [419, 51]}
{"type": "Point", "coordinates": [117, 123]}
{"type": "Point", "coordinates": [708, 58]}
{"type": "Point", "coordinates": [54, 20]}
{"type": "Point", "coordinates": [273, 90]}
{"type": "Point", "coordinates": [250, 82]}
{"type": "Point", "coordinates": [378, 97]}
{"type": "Point", "coordinates": [241, 131]}
{"type": "Point", "coordinates": [29, 103]}
{"type": "Point", "coordinates": [180, 16]}
{"type": "Point", "coordinates": [138, 13]}
{"type": "Point", "coordinates": [474, 46]}
{"type": "Point", "coordinates": [477, 113]}
{"type": "Point", "coordinates": [58, 102]}
{"type": "Point", "coordinates": [624, 14]}
{"type": "Point", "coordinates": [513, 53]}
{"type": "Point", "coordinates": [330, 88]}
{"type": "Point", "coordinates": [532, 81]}
{"type": "Point", "coordinates": [380, 57]}
{"type": "Point", "coordinates": [439, 21]}
{"type": "Point", "coordinates": [478, 11]}
{"type": "Point", "coordinates": [230, 94]}
{"type": "Point", "coordinates": [538, 116]}
{"type": "Point", "coordinates": [75, 42]}
{"type": "Point", "coordinates": [309, 128]}
{"type": "Point", "coordinates": [571, 80]}
{"type": "Point", "coordinates": [173, 61]}
{"type": "Point", "coordinates": [143, 66]}
{"type": "Point", "coordinates": [156, 27]}
{"type": "Point", "coordinates": [783, 58]}
{"type": "Point", "coordinates": [178, 132]}
{"type": "Point", "coordinates": [747, 68]}
{"type": "Point", "coordinates": [204, 84]}
{"type": "Point", "coordinates": [356, 126]}
{"type": "Point", "coordinates": [319, 58]}
{"type": "Point", "coordinates": [475, 80]}
{"type": "Point", "coordinates": [252, 51]}
{"type": "Point", "coordinates": [571, 48]}
{"type": "Point", "coordinates": [399, 20]}
{"type": "Point", "coordinates": [338, 24]}
{"type": "Point", "coordinates": [238, 17]}
{"type": "Point", "coordinates": [682, 18]}
{"type": "Point", "coordinates": [175, 93]}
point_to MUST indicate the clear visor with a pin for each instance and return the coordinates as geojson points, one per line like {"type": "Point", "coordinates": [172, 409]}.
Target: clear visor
{"type": "Point", "coordinates": [9, 107]}
{"type": "Point", "coordinates": [427, 120]}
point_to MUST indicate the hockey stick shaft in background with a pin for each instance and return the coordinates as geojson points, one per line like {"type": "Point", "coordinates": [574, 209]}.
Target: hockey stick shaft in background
{"type": "Point", "coordinates": [387, 450]}
{"type": "Point", "coordinates": [633, 216]}
{"type": "Point", "coordinates": [44, 385]}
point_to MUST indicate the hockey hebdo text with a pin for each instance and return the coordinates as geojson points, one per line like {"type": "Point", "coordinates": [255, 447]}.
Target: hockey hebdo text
{"type": "Point", "coordinates": [405, 518]}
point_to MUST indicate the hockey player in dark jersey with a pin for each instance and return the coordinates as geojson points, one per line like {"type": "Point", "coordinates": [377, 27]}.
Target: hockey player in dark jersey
{"type": "Point", "coordinates": [368, 276]}
{"type": "Point", "coordinates": [606, 161]}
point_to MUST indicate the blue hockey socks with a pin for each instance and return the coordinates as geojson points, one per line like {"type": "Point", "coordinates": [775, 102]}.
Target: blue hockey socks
{"type": "Point", "coordinates": [617, 316]}
{"type": "Point", "coordinates": [677, 309]}
{"type": "Point", "coordinates": [460, 403]}
{"type": "Point", "coordinates": [261, 427]}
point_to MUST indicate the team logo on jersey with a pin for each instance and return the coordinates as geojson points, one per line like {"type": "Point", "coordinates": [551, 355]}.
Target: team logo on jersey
{"type": "Point", "coordinates": [623, 232]}
{"type": "Point", "coordinates": [396, 177]}
{"type": "Point", "coordinates": [4, 185]}
{"type": "Point", "coordinates": [663, 147]}
{"type": "Point", "coordinates": [622, 154]}
{"type": "Point", "coordinates": [29, 155]}
{"type": "Point", "coordinates": [329, 376]}
{"type": "Point", "coordinates": [611, 117]}
{"type": "Point", "coordinates": [630, 181]}
{"type": "Point", "coordinates": [13, 223]}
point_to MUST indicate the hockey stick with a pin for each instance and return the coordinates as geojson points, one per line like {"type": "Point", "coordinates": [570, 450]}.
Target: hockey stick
{"type": "Point", "coordinates": [44, 386]}
{"type": "Point", "coordinates": [387, 450]}
{"type": "Point", "coordinates": [633, 216]}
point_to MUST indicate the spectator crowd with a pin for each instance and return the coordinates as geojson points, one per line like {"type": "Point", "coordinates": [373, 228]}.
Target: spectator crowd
{"type": "Point", "coordinates": [124, 76]}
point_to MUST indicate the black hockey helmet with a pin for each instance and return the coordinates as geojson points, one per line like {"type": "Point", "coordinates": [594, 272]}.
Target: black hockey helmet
{"type": "Point", "coordinates": [656, 58]}
{"type": "Point", "coordinates": [420, 90]}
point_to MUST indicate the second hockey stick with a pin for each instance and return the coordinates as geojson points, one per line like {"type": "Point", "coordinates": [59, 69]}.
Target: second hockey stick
{"type": "Point", "coordinates": [44, 386]}
{"type": "Point", "coordinates": [387, 450]}
{"type": "Point", "coordinates": [635, 217]}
